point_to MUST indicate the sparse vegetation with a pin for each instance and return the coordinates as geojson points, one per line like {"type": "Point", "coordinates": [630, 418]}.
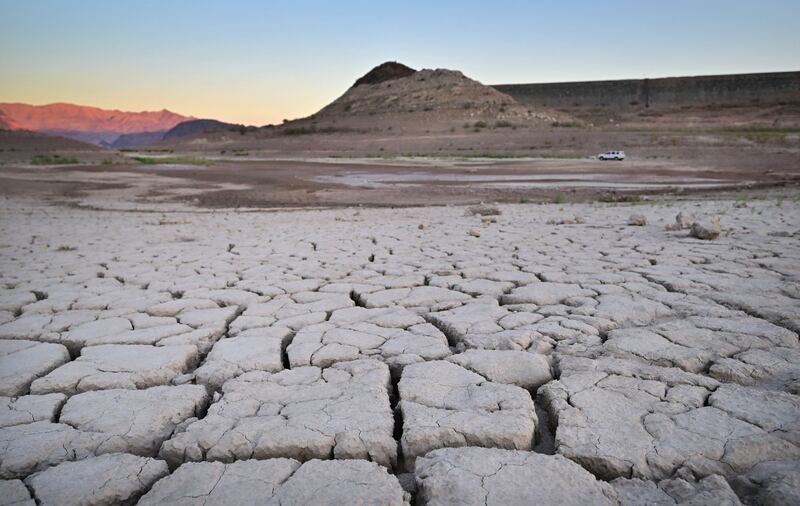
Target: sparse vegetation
{"type": "Point", "coordinates": [614, 198]}
{"type": "Point", "coordinates": [65, 247]}
{"type": "Point", "coordinates": [498, 156]}
{"type": "Point", "coordinates": [53, 160]}
{"type": "Point", "coordinates": [311, 130]}
{"type": "Point", "coordinates": [750, 132]}
{"type": "Point", "coordinates": [182, 160]}
{"type": "Point", "coordinates": [235, 152]}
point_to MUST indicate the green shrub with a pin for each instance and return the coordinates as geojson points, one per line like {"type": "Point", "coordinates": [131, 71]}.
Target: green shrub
{"type": "Point", "coordinates": [53, 160]}
{"type": "Point", "coordinates": [310, 130]}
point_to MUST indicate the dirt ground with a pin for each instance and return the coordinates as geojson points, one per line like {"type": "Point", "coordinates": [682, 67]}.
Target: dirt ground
{"type": "Point", "coordinates": [415, 163]}
{"type": "Point", "coordinates": [375, 182]}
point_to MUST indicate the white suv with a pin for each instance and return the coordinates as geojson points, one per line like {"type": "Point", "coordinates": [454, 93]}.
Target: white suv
{"type": "Point", "coordinates": [612, 155]}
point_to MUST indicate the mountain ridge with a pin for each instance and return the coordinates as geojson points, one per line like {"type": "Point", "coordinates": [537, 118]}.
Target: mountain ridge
{"type": "Point", "coordinates": [83, 122]}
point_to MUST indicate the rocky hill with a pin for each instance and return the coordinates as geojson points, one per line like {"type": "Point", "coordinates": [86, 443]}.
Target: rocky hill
{"type": "Point", "coordinates": [198, 126]}
{"type": "Point", "coordinates": [136, 139]}
{"type": "Point", "coordinates": [181, 130]}
{"type": "Point", "coordinates": [392, 92]}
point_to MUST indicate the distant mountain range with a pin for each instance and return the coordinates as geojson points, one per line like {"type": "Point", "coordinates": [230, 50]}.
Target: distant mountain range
{"type": "Point", "coordinates": [7, 123]}
{"type": "Point", "coordinates": [88, 124]}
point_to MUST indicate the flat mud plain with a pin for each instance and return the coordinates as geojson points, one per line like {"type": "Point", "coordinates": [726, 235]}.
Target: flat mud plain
{"type": "Point", "coordinates": [240, 333]}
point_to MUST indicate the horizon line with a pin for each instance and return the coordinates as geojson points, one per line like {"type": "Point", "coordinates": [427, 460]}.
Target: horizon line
{"type": "Point", "coordinates": [191, 117]}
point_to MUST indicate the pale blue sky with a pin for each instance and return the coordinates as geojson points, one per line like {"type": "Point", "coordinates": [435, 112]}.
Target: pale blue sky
{"type": "Point", "coordinates": [260, 62]}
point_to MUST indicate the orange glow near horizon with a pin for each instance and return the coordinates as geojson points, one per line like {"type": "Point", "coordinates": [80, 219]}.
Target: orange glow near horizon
{"type": "Point", "coordinates": [248, 106]}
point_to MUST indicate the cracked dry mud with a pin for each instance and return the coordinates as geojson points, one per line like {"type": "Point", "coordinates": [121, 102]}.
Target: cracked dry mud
{"type": "Point", "coordinates": [354, 356]}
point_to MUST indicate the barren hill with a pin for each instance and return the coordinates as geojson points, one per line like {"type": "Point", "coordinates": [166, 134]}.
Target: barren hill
{"type": "Point", "coordinates": [393, 93]}
{"type": "Point", "coordinates": [182, 130]}
{"type": "Point", "coordinates": [198, 126]}
{"type": "Point", "coordinates": [22, 146]}
{"type": "Point", "coordinates": [385, 72]}
{"type": "Point", "coordinates": [26, 140]}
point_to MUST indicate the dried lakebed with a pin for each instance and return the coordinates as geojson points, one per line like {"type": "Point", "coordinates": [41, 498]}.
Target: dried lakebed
{"type": "Point", "coordinates": [376, 356]}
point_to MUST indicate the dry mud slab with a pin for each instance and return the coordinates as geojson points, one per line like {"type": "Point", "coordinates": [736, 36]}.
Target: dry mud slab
{"type": "Point", "coordinates": [110, 479]}
{"type": "Point", "coordinates": [445, 405]}
{"type": "Point", "coordinates": [342, 411]}
{"type": "Point", "coordinates": [21, 362]}
{"type": "Point", "coordinates": [394, 356]}
{"type": "Point", "coordinates": [395, 336]}
{"type": "Point", "coordinates": [278, 481]}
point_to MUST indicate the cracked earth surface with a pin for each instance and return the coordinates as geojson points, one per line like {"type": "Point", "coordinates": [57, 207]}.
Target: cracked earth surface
{"type": "Point", "coordinates": [552, 355]}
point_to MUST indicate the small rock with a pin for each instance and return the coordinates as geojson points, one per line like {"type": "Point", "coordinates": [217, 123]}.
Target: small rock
{"type": "Point", "coordinates": [474, 232]}
{"type": "Point", "coordinates": [567, 220]}
{"type": "Point", "coordinates": [706, 231]}
{"type": "Point", "coordinates": [422, 226]}
{"type": "Point", "coordinates": [637, 220]}
{"type": "Point", "coordinates": [183, 379]}
{"type": "Point", "coordinates": [684, 220]}
{"type": "Point", "coordinates": [482, 210]}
